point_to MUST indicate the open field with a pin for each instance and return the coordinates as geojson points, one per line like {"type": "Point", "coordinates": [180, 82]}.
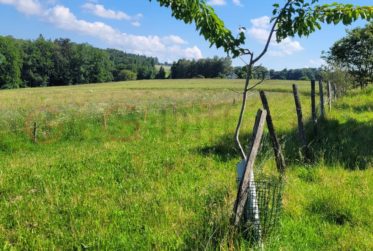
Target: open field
{"type": "Point", "coordinates": [152, 165]}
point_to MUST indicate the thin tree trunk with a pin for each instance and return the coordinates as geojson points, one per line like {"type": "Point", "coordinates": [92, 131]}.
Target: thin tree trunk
{"type": "Point", "coordinates": [243, 108]}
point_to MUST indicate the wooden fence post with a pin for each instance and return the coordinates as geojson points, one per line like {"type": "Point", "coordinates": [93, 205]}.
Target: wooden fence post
{"type": "Point", "coordinates": [145, 114]}
{"type": "Point", "coordinates": [301, 132]}
{"type": "Point", "coordinates": [329, 91]}
{"type": "Point", "coordinates": [313, 106]}
{"type": "Point", "coordinates": [321, 91]}
{"type": "Point", "coordinates": [35, 133]}
{"type": "Point", "coordinates": [334, 90]}
{"type": "Point", "coordinates": [104, 118]}
{"type": "Point", "coordinates": [280, 161]}
{"type": "Point", "coordinates": [243, 190]}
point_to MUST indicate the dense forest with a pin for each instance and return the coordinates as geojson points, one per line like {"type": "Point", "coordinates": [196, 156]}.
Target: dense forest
{"type": "Point", "coordinates": [42, 62]}
{"type": "Point", "coordinates": [203, 68]}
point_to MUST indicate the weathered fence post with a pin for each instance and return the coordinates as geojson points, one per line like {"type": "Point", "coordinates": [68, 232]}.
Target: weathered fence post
{"type": "Point", "coordinates": [145, 114]}
{"type": "Point", "coordinates": [321, 91]}
{"type": "Point", "coordinates": [35, 133]}
{"type": "Point", "coordinates": [280, 161]}
{"type": "Point", "coordinates": [248, 178]}
{"type": "Point", "coordinates": [335, 90]}
{"type": "Point", "coordinates": [329, 91]}
{"type": "Point", "coordinates": [313, 106]}
{"type": "Point", "coordinates": [301, 132]}
{"type": "Point", "coordinates": [104, 118]}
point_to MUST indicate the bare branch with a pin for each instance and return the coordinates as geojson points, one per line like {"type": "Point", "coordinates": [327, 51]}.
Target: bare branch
{"type": "Point", "coordinates": [252, 87]}
{"type": "Point", "coordinates": [273, 29]}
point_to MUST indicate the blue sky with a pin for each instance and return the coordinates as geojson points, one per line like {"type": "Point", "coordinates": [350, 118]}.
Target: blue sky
{"type": "Point", "coordinates": [140, 26]}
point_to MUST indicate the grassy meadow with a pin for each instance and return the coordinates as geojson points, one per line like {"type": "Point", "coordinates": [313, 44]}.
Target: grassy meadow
{"type": "Point", "coordinates": [151, 165]}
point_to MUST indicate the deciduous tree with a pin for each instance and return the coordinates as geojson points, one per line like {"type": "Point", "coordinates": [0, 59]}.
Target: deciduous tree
{"type": "Point", "coordinates": [10, 63]}
{"type": "Point", "coordinates": [354, 53]}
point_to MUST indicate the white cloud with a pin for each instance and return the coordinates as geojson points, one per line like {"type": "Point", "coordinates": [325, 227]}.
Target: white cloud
{"type": "Point", "coordinates": [136, 23]}
{"type": "Point", "coordinates": [173, 39]}
{"type": "Point", "coordinates": [217, 2]}
{"type": "Point", "coordinates": [260, 31]}
{"type": "Point", "coordinates": [100, 11]}
{"type": "Point", "coordinates": [286, 47]}
{"type": "Point", "coordinates": [259, 34]}
{"type": "Point", "coordinates": [261, 22]}
{"type": "Point", "coordinates": [237, 2]}
{"type": "Point", "coordinates": [166, 48]}
{"type": "Point", "coordinates": [28, 7]}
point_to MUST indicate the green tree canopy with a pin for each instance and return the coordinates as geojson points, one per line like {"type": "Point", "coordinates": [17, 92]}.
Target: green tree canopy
{"type": "Point", "coordinates": [354, 53]}
{"type": "Point", "coordinates": [126, 75]}
{"type": "Point", "coordinates": [208, 68]}
{"type": "Point", "coordinates": [10, 63]}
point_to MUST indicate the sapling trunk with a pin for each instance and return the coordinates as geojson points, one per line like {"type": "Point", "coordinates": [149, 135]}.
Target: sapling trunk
{"type": "Point", "coordinates": [252, 203]}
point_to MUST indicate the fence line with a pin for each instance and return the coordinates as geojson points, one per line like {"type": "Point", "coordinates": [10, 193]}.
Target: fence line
{"type": "Point", "coordinates": [244, 188]}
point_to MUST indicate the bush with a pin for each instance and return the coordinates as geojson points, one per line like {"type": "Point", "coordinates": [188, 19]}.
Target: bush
{"type": "Point", "coordinates": [125, 75]}
{"type": "Point", "coordinates": [341, 78]}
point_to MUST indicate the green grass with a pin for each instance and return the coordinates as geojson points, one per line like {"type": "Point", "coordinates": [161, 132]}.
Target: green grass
{"type": "Point", "coordinates": [151, 165]}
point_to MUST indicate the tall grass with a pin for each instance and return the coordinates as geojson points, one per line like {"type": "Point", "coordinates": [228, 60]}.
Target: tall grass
{"type": "Point", "coordinates": [151, 165]}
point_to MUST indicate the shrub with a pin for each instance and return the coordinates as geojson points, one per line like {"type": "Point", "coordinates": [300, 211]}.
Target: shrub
{"type": "Point", "coordinates": [125, 75]}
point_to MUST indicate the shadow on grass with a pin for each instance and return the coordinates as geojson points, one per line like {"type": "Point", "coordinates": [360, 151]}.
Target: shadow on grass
{"type": "Point", "coordinates": [349, 144]}
{"type": "Point", "coordinates": [225, 149]}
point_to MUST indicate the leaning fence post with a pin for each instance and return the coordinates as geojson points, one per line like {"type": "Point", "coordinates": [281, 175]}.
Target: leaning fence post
{"type": "Point", "coordinates": [321, 91]}
{"type": "Point", "coordinates": [280, 161]}
{"type": "Point", "coordinates": [313, 105]}
{"type": "Point", "coordinates": [35, 133]}
{"type": "Point", "coordinates": [302, 135]}
{"type": "Point", "coordinates": [247, 180]}
{"type": "Point", "coordinates": [329, 91]}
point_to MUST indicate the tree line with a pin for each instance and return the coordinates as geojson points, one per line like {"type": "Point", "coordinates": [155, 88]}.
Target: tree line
{"type": "Point", "coordinates": [203, 68]}
{"type": "Point", "coordinates": [42, 62]}
{"type": "Point", "coordinates": [261, 72]}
